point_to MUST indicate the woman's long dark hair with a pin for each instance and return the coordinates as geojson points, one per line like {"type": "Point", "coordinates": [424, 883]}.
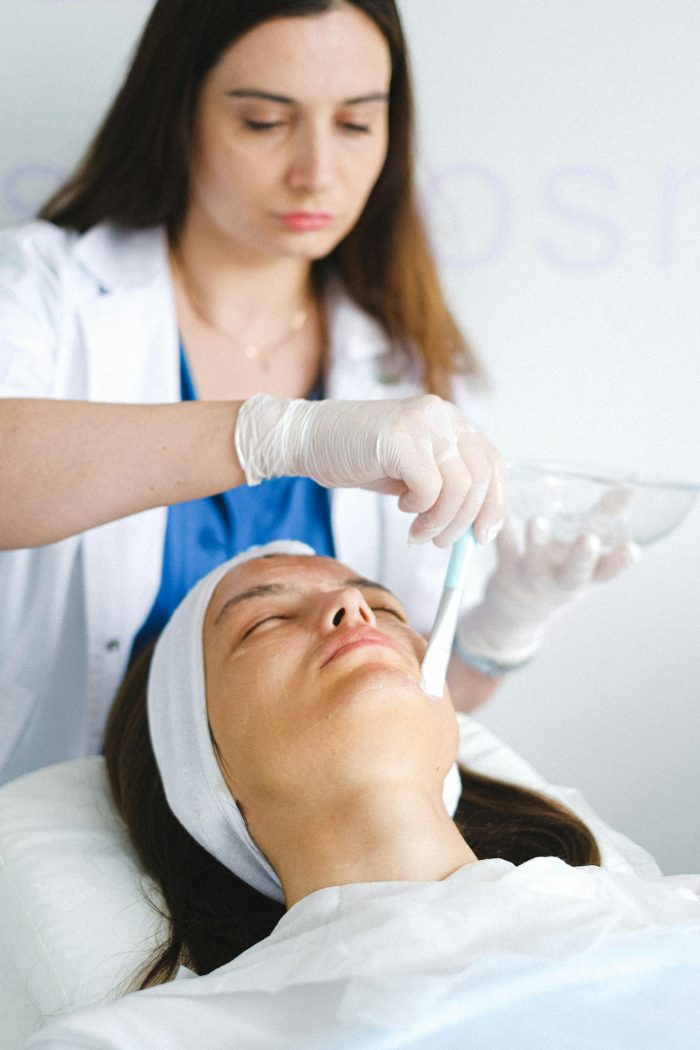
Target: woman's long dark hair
{"type": "Point", "coordinates": [213, 915]}
{"type": "Point", "coordinates": [136, 172]}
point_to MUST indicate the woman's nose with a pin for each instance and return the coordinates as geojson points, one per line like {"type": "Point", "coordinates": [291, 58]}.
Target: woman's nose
{"type": "Point", "coordinates": [311, 166]}
{"type": "Point", "coordinates": [346, 608]}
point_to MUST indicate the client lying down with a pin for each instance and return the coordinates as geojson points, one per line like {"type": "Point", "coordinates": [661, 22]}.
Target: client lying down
{"type": "Point", "coordinates": [330, 884]}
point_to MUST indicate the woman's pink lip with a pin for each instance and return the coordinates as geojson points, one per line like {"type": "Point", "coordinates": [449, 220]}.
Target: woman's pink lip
{"type": "Point", "coordinates": [356, 642]}
{"type": "Point", "coordinates": [306, 220]}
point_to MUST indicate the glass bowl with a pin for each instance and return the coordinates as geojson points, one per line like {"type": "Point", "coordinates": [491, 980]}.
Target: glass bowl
{"type": "Point", "coordinates": [615, 505]}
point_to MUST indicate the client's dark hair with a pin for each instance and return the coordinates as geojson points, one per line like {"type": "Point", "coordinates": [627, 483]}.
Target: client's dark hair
{"type": "Point", "coordinates": [213, 915]}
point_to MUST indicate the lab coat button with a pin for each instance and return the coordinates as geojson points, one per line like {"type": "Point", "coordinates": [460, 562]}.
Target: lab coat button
{"type": "Point", "coordinates": [112, 645]}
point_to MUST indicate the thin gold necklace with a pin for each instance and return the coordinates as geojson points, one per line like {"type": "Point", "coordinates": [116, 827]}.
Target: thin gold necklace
{"type": "Point", "coordinates": [262, 356]}
{"type": "Point", "coordinates": [251, 351]}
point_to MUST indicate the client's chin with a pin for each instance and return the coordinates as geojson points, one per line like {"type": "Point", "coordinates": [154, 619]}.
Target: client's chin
{"type": "Point", "coordinates": [378, 679]}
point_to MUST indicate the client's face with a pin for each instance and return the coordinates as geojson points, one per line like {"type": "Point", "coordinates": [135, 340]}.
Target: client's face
{"type": "Point", "coordinates": [313, 685]}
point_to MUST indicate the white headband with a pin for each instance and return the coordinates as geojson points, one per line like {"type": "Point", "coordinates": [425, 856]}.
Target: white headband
{"type": "Point", "coordinates": [177, 716]}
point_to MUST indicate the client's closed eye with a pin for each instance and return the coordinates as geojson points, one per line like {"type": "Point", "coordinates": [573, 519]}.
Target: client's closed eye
{"type": "Point", "coordinates": [388, 609]}
{"type": "Point", "coordinates": [259, 623]}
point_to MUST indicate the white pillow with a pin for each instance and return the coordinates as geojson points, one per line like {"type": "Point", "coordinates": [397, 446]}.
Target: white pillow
{"type": "Point", "coordinates": [75, 922]}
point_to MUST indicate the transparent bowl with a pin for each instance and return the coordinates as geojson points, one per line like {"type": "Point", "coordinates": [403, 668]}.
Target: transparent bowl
{"type": "Point", "coordinates": [615, 505]}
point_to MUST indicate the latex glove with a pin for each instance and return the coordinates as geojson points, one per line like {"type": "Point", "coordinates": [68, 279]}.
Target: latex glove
{"type": "Point", "coordinates": [529, 586]}
{"type": "Point", "coordinates": [421, 449]}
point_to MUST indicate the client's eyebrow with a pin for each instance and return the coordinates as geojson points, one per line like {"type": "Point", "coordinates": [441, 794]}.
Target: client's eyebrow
{"type": "Point", "coordinates": [360, 581]}
{"type": "Point", "coordinates": [264, 589]}
{"type": "Point", "coordinates": [253, 592]}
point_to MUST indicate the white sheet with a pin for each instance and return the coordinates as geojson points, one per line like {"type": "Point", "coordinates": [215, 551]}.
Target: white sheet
{"type": "Point", "coordinates": [542, 956]}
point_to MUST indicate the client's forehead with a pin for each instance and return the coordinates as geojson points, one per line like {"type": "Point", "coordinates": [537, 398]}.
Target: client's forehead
{"type": "Point", "coordinates": [284, 567]}
{"type": "Point", "coordinates": [306, 572]}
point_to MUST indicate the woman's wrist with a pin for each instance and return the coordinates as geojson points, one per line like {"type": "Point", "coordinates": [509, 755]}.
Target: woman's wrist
{"type": "Point", "coordinates": [488, 665]}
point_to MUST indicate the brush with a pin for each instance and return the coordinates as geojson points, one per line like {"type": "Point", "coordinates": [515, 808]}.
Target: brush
{"type": "Point", "coordinates": [437, 655]}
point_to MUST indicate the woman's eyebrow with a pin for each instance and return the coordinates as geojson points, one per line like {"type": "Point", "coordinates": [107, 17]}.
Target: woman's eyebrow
{"type": "Point", "coordinates": [360, 581]}
{"type": "Point", "coordinates": [283, 100]}
{"type": "Point", "coordinates": [253, 592]}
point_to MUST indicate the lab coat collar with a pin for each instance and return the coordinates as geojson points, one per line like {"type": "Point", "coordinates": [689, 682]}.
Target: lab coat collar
{"type": "Point", "coordinates": [355, 337]}
{"type": "Point", "coordinates": [119, 258]}
{"type": "Point", "coordinates": [130, 322]}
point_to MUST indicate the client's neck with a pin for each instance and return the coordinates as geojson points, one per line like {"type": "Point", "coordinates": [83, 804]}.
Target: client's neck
{"type": "Point", "coordinates": [371, 836]}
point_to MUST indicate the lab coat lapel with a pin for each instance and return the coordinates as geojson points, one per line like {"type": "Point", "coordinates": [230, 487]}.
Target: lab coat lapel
{"type": "Point", "coordinates": [130, 337]}
{"type": "Point", "coordinates": [131, 346]}
{"type": "Point", "coordinates": [128, 324]}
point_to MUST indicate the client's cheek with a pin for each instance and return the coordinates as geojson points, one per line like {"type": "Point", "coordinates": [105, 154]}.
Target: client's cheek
{"type": "Point", "coordinates": [416, 643]}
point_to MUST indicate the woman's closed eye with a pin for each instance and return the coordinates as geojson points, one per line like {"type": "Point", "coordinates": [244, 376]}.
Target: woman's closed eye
{"type": "Point", "coordinates": [363, 129]}
{"type": "Point", "coordinates": [265, 619]}
{"type": "Point", "coordinates": [387, 609]}
{"type": "Point", "coordinates": [264, 125]}
{"type": "Point", "coordinates": [273, 617]}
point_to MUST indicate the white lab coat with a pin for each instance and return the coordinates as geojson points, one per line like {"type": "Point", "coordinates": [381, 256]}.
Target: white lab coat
{"type": "Point", "coordinates": [92, 317]}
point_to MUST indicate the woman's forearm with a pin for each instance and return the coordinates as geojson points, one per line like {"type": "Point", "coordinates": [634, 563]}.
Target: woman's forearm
{"type": "Point", "coordinates": [67, 466]}
{"type": "Point", "coordinates": [469, 688]}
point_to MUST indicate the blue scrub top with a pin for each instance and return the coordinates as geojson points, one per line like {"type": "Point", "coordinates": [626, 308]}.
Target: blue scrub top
{"type": "Point", "coordinates": [203, 533]}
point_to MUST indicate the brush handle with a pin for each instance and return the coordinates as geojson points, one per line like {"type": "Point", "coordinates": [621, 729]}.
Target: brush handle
{"type": "Point", "coordinates": [456, 570]}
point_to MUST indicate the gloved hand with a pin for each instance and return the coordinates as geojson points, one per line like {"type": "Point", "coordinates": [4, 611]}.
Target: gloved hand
{"type": "Point", "coordinates": [421, 449]}
{"type": "Point", "coordinates": [528, 587]}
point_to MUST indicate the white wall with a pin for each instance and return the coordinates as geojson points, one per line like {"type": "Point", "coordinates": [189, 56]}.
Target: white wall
{"type": "Point", "coordinates": [560, 166]}
{"type": "Point", "coordinates": [561, 169]}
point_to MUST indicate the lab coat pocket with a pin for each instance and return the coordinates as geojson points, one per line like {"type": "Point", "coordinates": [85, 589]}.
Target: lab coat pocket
{"type": "Point", "coordinates": [16, 705]}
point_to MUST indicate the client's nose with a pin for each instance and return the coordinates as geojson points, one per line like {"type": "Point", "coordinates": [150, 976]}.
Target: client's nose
{"type": "Point", "coordinates": [347, 608]}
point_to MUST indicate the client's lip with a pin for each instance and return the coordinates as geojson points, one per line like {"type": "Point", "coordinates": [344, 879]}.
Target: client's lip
{"type": "Point", "coordinates": [355, 639]}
